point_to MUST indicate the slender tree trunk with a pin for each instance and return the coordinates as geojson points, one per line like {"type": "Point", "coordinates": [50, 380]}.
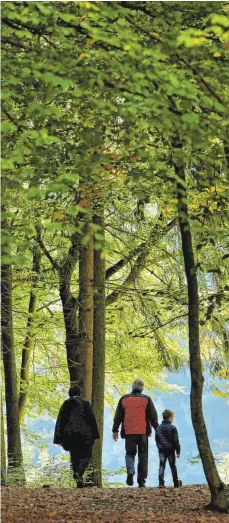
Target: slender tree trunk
{"type": "Point", "coordinates": [99, 347]}
{"type": "Point", "coordinates": [15, 459]}
{"type": "Point", "coordinates": [85, 337]}
{"type": "Point", "coordinates": [69, 304]}
{"type": "Point", "coordinates": [28, 344]}
{"type": "Point", "coordinates": [216, 486]}
{"type": "Point", "coordinates": [3, 449]}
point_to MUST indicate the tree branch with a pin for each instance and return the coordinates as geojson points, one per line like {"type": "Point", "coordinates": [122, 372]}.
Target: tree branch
{"type": "Point", "coordinates": [139, 264]}
{"type": "Point", "coordinates": [121, 263]}
{"type": "Point", "coordinates": [46, 306]}
{"type": "Point", "coordinates": [19, 127]}
{"type": "Point", "coordinates": [158, 326]}
{"type": "Point", "coordinates": [45, 250]}
{"type": "Point", "coordinates": [8, 41]}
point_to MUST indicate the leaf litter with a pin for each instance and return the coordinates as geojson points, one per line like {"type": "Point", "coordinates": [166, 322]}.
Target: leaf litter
{"type": "Point", "coordinates": [108, 505]}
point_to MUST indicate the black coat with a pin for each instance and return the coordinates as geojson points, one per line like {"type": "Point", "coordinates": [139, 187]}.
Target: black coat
{"type": "Point", "coordinates": [75, 420]}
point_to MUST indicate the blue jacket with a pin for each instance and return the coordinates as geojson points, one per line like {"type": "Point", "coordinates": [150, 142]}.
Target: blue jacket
{"type": "Point", "coordinates": [166, 437]}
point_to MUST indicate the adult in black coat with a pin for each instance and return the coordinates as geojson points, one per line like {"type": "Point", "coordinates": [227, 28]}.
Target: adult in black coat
{"type": "Point", "coordinates": [76, 430]}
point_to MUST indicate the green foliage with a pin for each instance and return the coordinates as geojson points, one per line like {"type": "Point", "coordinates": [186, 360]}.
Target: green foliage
{"type": "Point", "coordinates": [56, 473]}
{"type": "Point", "coordinates": [116, 96]}
{"type": "Point", "coordinates": [51, 472]}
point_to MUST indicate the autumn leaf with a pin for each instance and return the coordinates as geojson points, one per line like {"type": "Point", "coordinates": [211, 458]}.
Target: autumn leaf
{"type": "Point", "coordinates": [57, 215]}
{"type": "Point", "coordinates": [84, 203]}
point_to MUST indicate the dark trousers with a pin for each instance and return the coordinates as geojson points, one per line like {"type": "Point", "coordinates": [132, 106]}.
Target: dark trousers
{"type": "Point", "coordinates": [137, 443]}
{"type": "Point", "coordinates": [169, 455]}
{"type": "Point", "coordinates": [80, 455]}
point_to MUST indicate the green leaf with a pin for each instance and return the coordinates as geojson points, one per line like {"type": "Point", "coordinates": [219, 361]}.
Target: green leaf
{"type": "Point", "coordinates": [35, 193]}
{"type": "Point", "coordinates": [220, 20]}
{"type": "Point", "coordinates": [13, 260]}
{"type": "Point", "coordinates": [8, 127]}
{"type": "Point", "coordinates": [192, 118]}
{"type": "Point", "coordinates": [58, 188]}
{"type": "Point", "coordinates": [85, 239]}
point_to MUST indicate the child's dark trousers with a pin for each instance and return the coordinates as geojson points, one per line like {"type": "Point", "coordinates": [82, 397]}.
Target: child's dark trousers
{"type": "Point", "coordinates": [169, 455]}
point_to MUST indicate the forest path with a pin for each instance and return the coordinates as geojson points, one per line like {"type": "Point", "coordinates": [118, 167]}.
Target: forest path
{"type": "Point", "coordinates": [108, 505]}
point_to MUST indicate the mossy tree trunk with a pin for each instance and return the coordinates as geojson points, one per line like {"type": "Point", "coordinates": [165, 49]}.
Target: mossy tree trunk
{"type": "Point", "coordinates": [69, 305]}
{"type": "Point", "coordinates": [69, 302]}
{"type": "Point", "coordinates": [216, 486]}
{"type": "Point", "coordinates": [3, 449]}
{"type": "Point", "coordinates": [14, 450]}
{"type": "Point", "coordinates": [99, 344]}
{"type": "Point", "coordinates": [85, 336]}
{"type": "Point", "coordinates": [28, 344]}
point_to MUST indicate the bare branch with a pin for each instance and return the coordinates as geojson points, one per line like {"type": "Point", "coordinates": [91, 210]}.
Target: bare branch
{"type": "Point", "coordinates": [121, 263]}
{"type": "Point", "coordinates": [158, 327]}
{"type": "Point", "coordinates": [46, 306]}
{"type": "Point", "coordinates": [45, 250]}
{"type": "Point", "coordinates": [139, 263]}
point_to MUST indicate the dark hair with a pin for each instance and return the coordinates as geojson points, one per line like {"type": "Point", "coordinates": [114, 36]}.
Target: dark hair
{"type": "Point", "coordinates": [167, 414]}
{"type": "Point", "coordinates": [74, 391]}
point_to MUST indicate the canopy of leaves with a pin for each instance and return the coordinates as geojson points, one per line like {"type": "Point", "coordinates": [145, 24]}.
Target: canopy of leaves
{"type": "Point", "coordinates": [116, 94]}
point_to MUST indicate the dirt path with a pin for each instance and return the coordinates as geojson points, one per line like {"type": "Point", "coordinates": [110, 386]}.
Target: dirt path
{"type": "Point", "coordinates": [93, 505]}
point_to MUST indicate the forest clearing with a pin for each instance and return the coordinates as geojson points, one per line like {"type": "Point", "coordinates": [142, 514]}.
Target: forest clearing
{"type": "Point", "coordinates": [115, 261]}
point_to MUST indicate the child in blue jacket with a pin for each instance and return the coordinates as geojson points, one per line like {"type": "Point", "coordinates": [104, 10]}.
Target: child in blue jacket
{"type": "Point", "coordinates": [168, 445]}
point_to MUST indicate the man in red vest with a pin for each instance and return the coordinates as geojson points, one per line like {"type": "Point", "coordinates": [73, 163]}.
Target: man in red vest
{"type": "Point", "coordinates": [137, 414]}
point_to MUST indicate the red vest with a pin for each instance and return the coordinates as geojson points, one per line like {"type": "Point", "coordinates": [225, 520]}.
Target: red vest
{"type": "Point", "coordinates": [135, 414]}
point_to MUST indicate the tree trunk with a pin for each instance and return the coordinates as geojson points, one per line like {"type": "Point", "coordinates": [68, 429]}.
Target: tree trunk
{"type": "Point", "coordinates": [85, 337]}
{"type": "Point", "coordinates": [3, 449]}
{"type": "Point", "coordinates": [15, 459]}
{"type": "Point", "coordinates": [26, 351]}
{"type": "Point", "coordinates": [216, 486]}
{"type": "Point", "coordinates": [99, 348]}
{"type": "Point", "coordinates": [69, 304]}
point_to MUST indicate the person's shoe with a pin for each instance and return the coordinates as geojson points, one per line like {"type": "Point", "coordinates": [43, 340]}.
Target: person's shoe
{"type": "Point", "coordinates": [142, 485]}
{"type": "Point", "coordinates": [161, 486]}
{"type": "Point", "coordinates": [130, 480]}
{"type": "Point", "coordinates": [178, 484]}
{"type": "Point", "coordinates": [79, 481]}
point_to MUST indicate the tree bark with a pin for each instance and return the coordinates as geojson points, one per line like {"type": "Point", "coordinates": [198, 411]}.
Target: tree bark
{"type": "Point", "coordinates": [85, 336]}
{"type": "Point", "coordinates": [99, 347]}
{"type": "Point", "coordinates": [216, 486]}
{"type": "Point", "coordinates": [26, 351]}
{"type": "Point", "coordinates": [14, 452]}
{"type": "Point", "coordinates": [3, 449]}
{"type": "Point", "coordinates": [69, 304]}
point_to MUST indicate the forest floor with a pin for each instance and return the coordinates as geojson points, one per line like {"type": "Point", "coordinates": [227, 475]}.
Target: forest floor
{"type": "Point", "coordinates": [108, 505]}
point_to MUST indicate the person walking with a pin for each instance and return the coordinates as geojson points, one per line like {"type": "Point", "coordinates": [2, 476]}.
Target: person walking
{"type": "Point", "coordinates": [168, 445]}
{"type": "Point", "coordinates": [137, 414]}
{"type": "Point", "coordinates": [76, 430]}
